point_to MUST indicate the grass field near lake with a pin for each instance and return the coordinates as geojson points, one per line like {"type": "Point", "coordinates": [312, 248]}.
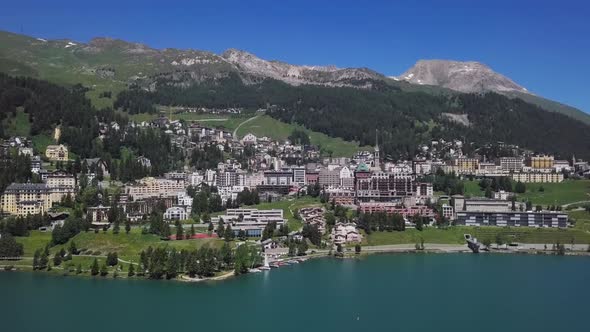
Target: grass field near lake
{"type": "Point", "coordinates": [568, 191]}
{"type": "Point", "coordinates": [128, 246]}
{"type": "Point", "coordinates": [454, 235]}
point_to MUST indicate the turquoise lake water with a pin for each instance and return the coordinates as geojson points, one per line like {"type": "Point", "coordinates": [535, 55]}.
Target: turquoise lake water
{"type": "Point", "coordinates": [429, 292]}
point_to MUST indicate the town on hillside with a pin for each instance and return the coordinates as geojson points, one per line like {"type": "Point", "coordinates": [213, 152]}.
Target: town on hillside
{"type": "Point", "coordinates": [225, 186]}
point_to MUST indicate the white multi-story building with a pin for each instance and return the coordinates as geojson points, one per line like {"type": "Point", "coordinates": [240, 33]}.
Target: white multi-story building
{"type": "Point", "coordinates": [345, 233]}
{"type": "Point", "coordinates": [210, 177]}
{"type": "Point", "coordinates": [561, 165]}
{"type": "Point", "coordinates": [60, 178]}
{"type": "Point", "coordinates": [346, 177]}
{"type": "Point", "coordinates": [537, 177]}
{"type": "Point", "coordinates": [252, 180]}
{"type": "Point", "coordinates": [511, 164]}
{"type": "Point", "coordinates": [185, 200]}
{"type": "Point", "coordinates": [194, 179]}
{"type": "Point", "coordinates": [422, 167]}
{"type": "Point", "coordinates": [299, 175]}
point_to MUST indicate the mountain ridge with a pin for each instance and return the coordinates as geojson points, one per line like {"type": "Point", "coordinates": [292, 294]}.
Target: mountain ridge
{"type": "Point", "coordinates": [111, 64]}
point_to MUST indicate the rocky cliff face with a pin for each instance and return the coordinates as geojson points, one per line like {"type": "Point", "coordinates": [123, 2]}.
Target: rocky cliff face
{"type": "Point", "coordinates": [459, 76]}
{"type": "Point", "coordinates": [295, 75]}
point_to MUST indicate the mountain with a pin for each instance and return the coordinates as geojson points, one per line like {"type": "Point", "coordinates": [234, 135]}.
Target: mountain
{"type": "Point", "coordinates": [296, 75]}
{"type": "Point", "coordinates": [107, 64]}
{"type": "Point", "coordinates": [111, 65]}
{"type": "Point", "coordinates": [468, 77]}
{"type": "Point", "coordinates": [475, 77]}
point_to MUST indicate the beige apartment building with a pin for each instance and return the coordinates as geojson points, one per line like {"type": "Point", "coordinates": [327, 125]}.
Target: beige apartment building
{"type": "Point", "coordinates": [57, 152]}
{"type": "Point", "coordinates": [22, 199]}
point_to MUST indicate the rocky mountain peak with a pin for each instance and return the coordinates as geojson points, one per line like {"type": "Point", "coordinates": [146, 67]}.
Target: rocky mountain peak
{"type": "Point", "coordinates": [469, 76]}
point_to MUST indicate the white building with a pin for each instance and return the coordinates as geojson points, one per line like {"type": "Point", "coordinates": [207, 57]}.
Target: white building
{"type": "Point", "coordinates": [252, 221]}
{"type": "Point", "coordinates": [176, 213]}
{"type": "Point", "coordinates": [194, 179]}
{"type": "Point", "coordinates": [249, 139]}
{"type": "Point", "coordinates": [345, 233]}
{"type": "Point", "coordinates": [346, 177]}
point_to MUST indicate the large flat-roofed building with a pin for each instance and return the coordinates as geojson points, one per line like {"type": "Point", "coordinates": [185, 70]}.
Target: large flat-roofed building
{"type": "Point", "coordinates": [537, 177]}
{"type": "Point", "coordinates": [155, 187]}
{"type": "Point", "coordinates": [252, 221]}
{"type": "Point", "coordinates": [383, 187]}
{"type": "Point", "coordinates": [511, 164]}
{"type": "Point", "coordinates": [278, 178]}
{"type": "Point", "coordinates": [57, 152]}
{"type": "Point", "coordinates": [487, 205]}
{"type": "Point", "coordinates": [393, 208]}
{"type": "Point", "coordinates": [513, 219]}
{"type": "Point", "coordinates": [22, 199]}
{"type": "Point", "coordinates": [329, 178]}
{"type": "Point", "coordinates": [60, 178]}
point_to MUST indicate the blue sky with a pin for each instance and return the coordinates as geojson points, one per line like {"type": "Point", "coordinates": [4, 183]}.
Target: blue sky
{"type": "Point", "coordinates": [542, 45]}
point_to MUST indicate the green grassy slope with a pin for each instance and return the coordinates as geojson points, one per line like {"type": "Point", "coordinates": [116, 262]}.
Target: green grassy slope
{"type": "Point", "coordinates": [264, 125]}
{"type": "Point", "coordinates": [568, 191]}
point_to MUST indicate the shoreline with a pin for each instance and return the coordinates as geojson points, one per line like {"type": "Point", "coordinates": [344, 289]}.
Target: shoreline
{"type": "Point", "coordinates": [366, 251]}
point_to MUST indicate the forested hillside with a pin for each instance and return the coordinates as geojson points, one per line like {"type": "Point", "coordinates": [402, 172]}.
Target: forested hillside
{"type": "Point", "coordinates": [402, 119]}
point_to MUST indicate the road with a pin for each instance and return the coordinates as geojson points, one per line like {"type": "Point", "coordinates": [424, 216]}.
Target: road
{"type": "Point", "coordinates": [579, 202]}
{"type": "Point", "coordinates": [235, 133]}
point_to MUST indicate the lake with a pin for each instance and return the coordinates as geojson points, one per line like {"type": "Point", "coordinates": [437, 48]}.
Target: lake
{"type": "Point", "coordinates": [403, 292]}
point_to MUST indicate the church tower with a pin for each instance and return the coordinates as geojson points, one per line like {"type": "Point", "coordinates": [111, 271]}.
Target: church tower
{"type": "Point", "coordinates": [376, 155]}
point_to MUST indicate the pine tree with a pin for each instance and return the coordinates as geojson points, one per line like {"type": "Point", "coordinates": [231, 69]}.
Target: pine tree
{"type": "Point", "coordinates": [79, 269]}
{"type": "Point", "coordinates": [103, 270]}
{"type": "Point", "coordinates": [228, 233]}
{"type": "Point", "coordinates": [127, 226]}
{"type": "Point", "coordinates": [94, 268]}
{"type": "Point", "coordinates": [56, 259]}
{"type": "Point", "coordinates": [131, 271]}
{"type": "Point", "coordinates": [36, 258]}
{"type": "Point", "coordinates": [179, 230]}
{"type": "Point", "coordinates": [44, 259]}
{"type": "Point", "coordinates": [73, 249]}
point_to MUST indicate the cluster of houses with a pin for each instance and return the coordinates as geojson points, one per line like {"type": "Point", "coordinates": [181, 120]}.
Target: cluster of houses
{"type": "Point", "coordinates": [314, 216]}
